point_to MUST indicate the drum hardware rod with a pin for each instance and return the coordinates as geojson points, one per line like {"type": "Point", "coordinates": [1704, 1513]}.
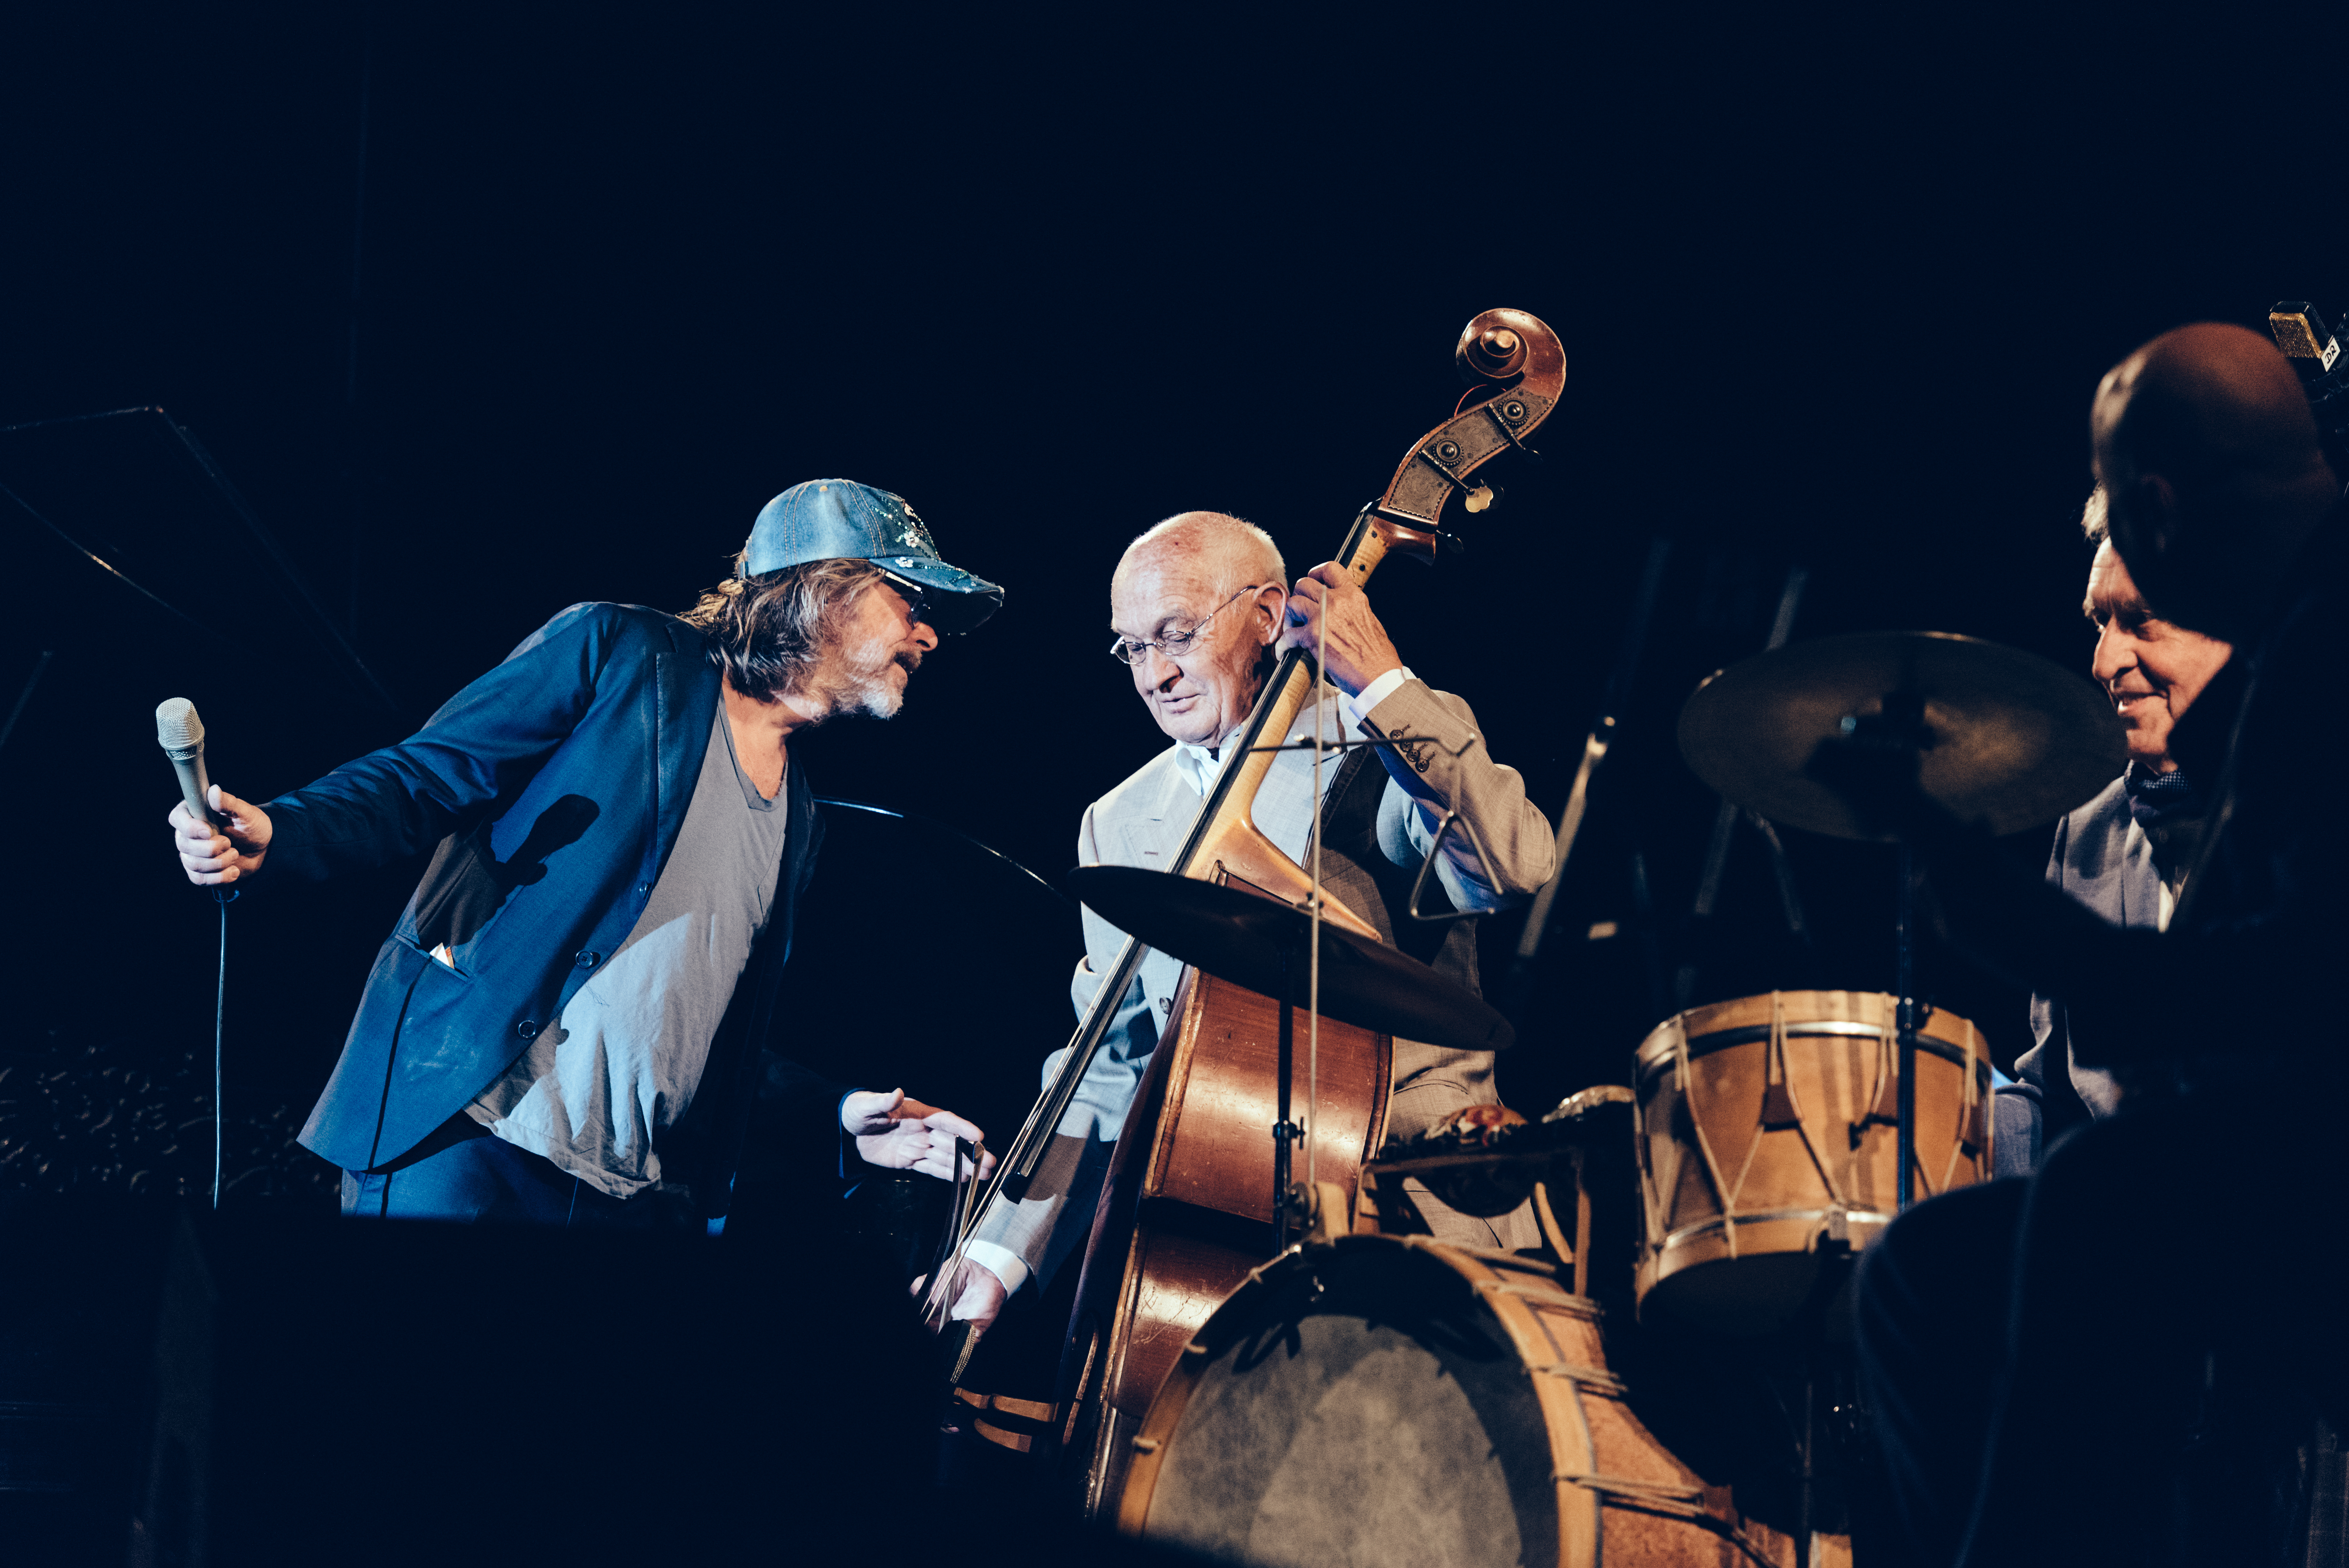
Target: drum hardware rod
{"type": "Point", "coordinates": [1708, 889]}
{"type": "Point", "coordinates": [1282, 1131]}
{"type": "Point", "coordinates": [1652, 946]}
{"type": "Point", "coordinates": [1427, 868]}
{"type": "Point", "coordinates": [1805, 1509]}
{"type": "Point", "coordinates": [1515, 988]}
{"type": "Point", "coordinates": [1904, 920]}
{"type": "Point", "coordinates": [1790, 900]}
{"type": "Point", "coordinates": [1899, 726]}
{"type": "Point", "coordinates": [1285, 1128]}
{"type": "Point", "coordinates": [1724, 819]}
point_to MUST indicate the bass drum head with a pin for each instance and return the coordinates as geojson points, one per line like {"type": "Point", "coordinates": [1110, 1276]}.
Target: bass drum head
{"type": "Point", "coordinates": [1359, 1406]}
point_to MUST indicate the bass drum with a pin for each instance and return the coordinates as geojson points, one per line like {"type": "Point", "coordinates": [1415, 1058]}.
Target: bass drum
{"type": "Point", "coordinates": [1394, 1400]}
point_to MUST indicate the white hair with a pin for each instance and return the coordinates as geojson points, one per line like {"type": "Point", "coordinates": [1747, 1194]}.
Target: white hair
{"type": "Point", "coordinates": [1240, 552]}
{"type": "Point", "coordinates": [2096, 518]}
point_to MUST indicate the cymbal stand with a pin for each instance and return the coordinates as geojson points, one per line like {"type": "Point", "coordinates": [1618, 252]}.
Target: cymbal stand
{"type": "Point", "coordinates": [1904, 922]}
{"type": "Point", "coordinates": [1901, 727]}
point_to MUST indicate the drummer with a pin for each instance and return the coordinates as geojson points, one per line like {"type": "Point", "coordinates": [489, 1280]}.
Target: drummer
{"type": "Point", "coordinates": [1200, 607]}
{"type": "Point", "coordinates": [2126, 853]}
{"type": "Point", "coordinates": [2157, 1294]}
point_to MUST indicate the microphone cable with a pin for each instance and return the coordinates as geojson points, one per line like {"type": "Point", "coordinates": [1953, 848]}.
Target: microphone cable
{"type": "Point", "coordinates": [224, 896]}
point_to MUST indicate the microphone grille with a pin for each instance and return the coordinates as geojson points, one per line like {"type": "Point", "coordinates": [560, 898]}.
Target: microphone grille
{"type": "Point", "coordinates": [176, 727]}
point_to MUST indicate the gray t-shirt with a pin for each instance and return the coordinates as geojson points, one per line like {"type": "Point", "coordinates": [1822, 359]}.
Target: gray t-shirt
{"type": "Point", "coordinates": [595, 1092]}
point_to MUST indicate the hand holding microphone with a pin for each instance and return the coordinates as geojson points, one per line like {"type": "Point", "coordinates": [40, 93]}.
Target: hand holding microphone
{"type": "Point", "coordinates": [220, 838]}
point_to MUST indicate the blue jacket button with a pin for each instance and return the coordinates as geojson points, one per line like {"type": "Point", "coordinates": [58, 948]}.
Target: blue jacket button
{"type": "Point", "coordinates": [526, 1029]}
{"type": "Point", "coordinates": [643, 888]}
{"type": "Point", "coordinates": [587, 958]}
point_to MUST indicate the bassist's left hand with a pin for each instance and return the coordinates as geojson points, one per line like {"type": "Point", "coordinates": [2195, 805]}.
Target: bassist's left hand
{"type": "Point", "coordinates": [902, 1134]}
{"type": "Point", "coordinates": [1359, 650]}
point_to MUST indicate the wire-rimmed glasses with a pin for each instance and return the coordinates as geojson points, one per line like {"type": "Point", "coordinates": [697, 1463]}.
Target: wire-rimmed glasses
{"type": "Point", "coordinates": [1173, 645]}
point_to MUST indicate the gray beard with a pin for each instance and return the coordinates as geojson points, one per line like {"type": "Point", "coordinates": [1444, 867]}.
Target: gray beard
{"type": "Point", "coordinates": [860, 689]}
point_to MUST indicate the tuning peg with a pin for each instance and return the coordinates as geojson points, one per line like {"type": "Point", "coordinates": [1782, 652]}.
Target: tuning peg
{"type": "Point", "coordinates": [1495, 354]}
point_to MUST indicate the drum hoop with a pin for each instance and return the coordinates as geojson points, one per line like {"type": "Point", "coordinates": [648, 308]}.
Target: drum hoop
{"type": "Point", "coordinates": [1693, 1231]}
{"type": "Point", "coordinates": [1504, 1299]}
{"type": "Point", "coordinates": [1657, 1056]}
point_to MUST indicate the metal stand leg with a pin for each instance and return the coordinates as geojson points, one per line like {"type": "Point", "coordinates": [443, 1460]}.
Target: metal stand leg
{"type": "Point", "coordinates": [1905, 1066]}
{"type": "Point", "coordinates": [1283, 1132]}
{"type": "Point", "coordinates": [1806, 1518]}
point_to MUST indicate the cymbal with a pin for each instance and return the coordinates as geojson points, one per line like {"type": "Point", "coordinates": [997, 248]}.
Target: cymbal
{"type": "Point", "coordinates": [1244, 938]}
{"type": "Point", "coordinates": [2012, 739]}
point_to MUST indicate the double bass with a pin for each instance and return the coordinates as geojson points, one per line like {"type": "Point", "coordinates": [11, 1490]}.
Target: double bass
{"type": "Point", "coordinates": [1196, 1195]}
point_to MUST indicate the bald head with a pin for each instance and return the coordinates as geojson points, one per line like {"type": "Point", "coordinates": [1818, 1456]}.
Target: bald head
{"type": "Point", "coordinates": [2209, 453]}
{"type": "Point", "coordinates": [1211, 546]}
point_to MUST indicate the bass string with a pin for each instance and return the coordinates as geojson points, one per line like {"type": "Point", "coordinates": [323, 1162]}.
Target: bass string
{"type": "Point", "coordinates": [1313, 960]}
{"type": "Point", "coordinates": [1052, 1103]}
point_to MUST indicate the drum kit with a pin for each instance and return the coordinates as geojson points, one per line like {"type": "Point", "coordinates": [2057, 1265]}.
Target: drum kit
{"type": "Point", "coordinates": [1371, 1397]}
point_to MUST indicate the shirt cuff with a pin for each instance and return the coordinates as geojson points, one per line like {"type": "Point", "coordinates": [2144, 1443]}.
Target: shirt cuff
{"type": "Point", "coordinates": [1377, 692]}
{"type": "Point", "coordinates": [1003, 1262]}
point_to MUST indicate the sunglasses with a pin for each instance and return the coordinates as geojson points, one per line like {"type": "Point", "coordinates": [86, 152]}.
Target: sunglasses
{"type": "Point", "coordinates": [918, 601]}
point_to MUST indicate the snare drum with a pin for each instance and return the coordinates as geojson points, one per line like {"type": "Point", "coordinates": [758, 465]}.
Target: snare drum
{"type": "Point", "coordinates": [1766, 1136]}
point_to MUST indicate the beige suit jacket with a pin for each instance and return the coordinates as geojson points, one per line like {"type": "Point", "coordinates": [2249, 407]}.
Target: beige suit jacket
{"type": "Point", "coordinates": [1144, 821]}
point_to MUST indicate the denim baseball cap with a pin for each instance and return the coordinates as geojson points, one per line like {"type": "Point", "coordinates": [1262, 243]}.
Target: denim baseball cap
{"type": "Point", "coordinates": [827, 518]}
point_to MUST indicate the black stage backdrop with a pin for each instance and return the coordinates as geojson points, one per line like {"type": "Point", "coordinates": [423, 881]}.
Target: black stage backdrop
{"type": "Point", "coordinates": [488, 310]}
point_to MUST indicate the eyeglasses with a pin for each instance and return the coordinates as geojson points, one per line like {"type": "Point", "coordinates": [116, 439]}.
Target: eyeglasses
{"type": "Point", "coordinates": [1173, 645]}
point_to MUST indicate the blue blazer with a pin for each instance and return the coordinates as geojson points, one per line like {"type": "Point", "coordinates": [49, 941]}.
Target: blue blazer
{"type": "Point", "coordinates": [554, 786]}
{"type": "Point", "coordinates": [2097, 860]}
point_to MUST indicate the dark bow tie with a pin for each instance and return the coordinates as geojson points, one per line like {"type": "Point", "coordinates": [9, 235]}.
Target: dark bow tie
{"type": "Point", "coordinates": [2160, 799]}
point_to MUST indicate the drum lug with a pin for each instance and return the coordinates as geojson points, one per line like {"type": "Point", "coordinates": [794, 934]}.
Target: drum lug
{"type": "Point", "coordinates": [1838, 1225]}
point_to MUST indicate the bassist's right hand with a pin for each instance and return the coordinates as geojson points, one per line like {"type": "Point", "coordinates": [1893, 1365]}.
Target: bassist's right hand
{"type": "Point", "coordinates": [982, 1296]}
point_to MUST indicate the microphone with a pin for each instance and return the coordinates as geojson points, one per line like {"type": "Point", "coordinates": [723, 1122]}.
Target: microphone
{"type": "Point", "coordinates": [2314, 350]}
{"type": "Point", "coordinates": [181, 736]}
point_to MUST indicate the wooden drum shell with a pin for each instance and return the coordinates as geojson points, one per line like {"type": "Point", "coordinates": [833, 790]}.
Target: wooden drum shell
{"type": "Point", "coordinates": [1831, 1181]}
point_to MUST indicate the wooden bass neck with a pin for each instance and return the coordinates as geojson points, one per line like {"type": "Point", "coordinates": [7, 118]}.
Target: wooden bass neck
{"type": "Point", "coordinates": [1224, 843]}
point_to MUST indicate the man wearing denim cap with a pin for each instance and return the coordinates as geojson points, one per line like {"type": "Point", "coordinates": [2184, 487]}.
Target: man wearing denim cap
{"type": "Point", "coordinates": [568, 1025]}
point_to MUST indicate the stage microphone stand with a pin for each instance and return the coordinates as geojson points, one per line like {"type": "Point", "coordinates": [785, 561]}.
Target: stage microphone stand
{"type": "Point", "coordinates": [1285, 1129]}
